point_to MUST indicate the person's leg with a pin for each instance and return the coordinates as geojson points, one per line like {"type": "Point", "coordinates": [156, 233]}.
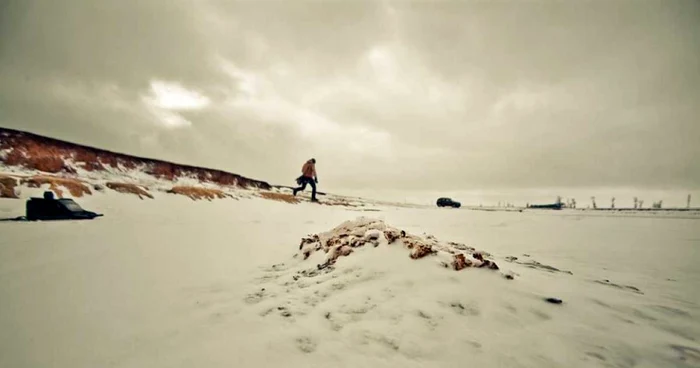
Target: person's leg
{"type": "Point", "coordinates": [313, 189]}
{"type": "Point", "coordinates": [301, 188]}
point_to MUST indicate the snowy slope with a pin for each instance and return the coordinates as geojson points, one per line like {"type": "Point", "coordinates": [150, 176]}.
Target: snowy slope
{"type": "Point", "coordinates": [167, 283]}
{"type": "Point", "coordinates": [30, 164]}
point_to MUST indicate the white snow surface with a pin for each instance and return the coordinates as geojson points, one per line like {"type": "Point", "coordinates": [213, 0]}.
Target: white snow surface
{"type": "Point", "coordinates": [178, 283]}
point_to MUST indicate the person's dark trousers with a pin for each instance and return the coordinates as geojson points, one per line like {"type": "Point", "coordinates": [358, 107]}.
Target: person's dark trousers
{"type": "Point", "coordinates": [309, 181]}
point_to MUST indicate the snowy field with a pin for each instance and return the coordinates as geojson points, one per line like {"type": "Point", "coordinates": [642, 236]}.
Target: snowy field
{"type": "Point", "coordinates": [177, 283]}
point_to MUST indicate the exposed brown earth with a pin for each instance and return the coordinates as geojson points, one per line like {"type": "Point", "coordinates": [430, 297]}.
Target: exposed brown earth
{"type": "Point", "coordinates": [50, 155]}
{"type": "Point", "coordinates": [199, 193]}
{"type": "Point", "coordinates": [76, 187]}
{"type": "Point", "coordinates": [7, 187]}
{"type": "Point", "coordinates": [64, 159]}
{"type": "Point", "coordinates": [129, 188]}
{"type": "Point", "coordinates": [288, 198]}
{"type": "Point", "coordinates": [344, 238]}
{"type": "Point", "coordinates": [338, 202]}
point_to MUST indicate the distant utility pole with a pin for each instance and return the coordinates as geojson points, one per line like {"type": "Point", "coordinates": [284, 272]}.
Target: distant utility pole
{"type": "Point", "coordinates": [688, 204]}
{"type": "Point", "coordinates": [636, 202]}
{"type": "Point", "coordinates": [612, 203]}
{"type": "Point", "coordinates": [593, 203]}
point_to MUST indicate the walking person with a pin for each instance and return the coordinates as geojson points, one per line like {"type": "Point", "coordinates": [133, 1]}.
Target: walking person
{"type": "Point", "coordinates": [308, 176]}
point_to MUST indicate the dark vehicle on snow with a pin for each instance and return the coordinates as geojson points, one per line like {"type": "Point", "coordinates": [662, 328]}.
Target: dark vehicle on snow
{"type": "Point", "coordinates": [448, 202]}
{"type": "Point", "coordinates": [48, 208]}
{"type": "Point", "coordinates": [553, 206]}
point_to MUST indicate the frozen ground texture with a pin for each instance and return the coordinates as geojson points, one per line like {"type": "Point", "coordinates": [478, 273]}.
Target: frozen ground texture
{"type": "Point", "coordinates": [175, 283]}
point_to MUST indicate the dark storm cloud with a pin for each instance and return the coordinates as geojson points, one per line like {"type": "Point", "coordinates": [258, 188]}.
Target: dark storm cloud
{"type": "Point", "coordinates": [404, 95]}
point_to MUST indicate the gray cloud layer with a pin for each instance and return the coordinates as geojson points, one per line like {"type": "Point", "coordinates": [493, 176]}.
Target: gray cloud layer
{"type": "Point", "coordinates": [405, 95]}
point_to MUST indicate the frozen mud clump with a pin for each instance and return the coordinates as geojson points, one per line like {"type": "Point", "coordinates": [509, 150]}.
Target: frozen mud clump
{"type": "Point", "coordinates": [346, 237]}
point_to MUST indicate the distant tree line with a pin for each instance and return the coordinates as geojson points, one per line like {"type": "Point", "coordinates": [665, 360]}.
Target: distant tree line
{"type": "Point", "coordinates": [571, 203]}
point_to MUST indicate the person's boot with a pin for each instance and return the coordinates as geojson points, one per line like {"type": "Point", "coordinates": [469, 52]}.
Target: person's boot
{"type": "Point", "coordinates": [294, 191]}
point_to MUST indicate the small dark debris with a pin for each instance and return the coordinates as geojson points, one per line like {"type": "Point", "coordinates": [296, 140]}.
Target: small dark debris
{"type": "Point", "coordinates": [596, 355]}
{"type": "Point", "coordinates": [328, 315]}
{"type": "Point", "coordinates": [623, 287]}
{"type": "Point", "coordinates": [544, 267]}
{"type": "Point", "coordinates": [488, 264]}
{"type": "Point", "coordinates": [553, 300]}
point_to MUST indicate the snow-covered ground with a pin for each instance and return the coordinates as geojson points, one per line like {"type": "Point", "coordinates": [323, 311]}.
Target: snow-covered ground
{"type": "Point", "coordinates": [179, 283]}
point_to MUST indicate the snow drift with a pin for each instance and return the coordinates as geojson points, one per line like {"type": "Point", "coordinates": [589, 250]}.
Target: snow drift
{"type": "Point", "coordinates": [173, 283]}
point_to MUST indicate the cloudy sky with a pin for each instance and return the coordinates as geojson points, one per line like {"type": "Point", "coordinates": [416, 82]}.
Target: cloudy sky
{"type": "Point", "coordinates": [386, 95]}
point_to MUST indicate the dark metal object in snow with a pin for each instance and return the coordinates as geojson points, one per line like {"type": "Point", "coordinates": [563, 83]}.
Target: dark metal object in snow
{"type": "Point", "coordinates": [49, 208]}
{"type": "Point", "coordinates": [553, 300]}
{"type": "Point", "coordinates": [553, 206]}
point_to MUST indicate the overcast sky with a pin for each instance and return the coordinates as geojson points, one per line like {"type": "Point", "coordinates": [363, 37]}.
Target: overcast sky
{"type": "Point", "coordinates": [404, 95]}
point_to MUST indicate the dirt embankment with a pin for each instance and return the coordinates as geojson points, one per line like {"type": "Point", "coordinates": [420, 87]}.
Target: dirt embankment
{"type": "Point", "coordinates": [196, 193]}
{"type": "Point", "coordinates": [129, 189]}
{"type": "Point", "coordinates": [281, 197]}
{"type": "Point", "coordinates": [339, 202]}
{"type": "Point", "coordinates": [7, 187]}
{"type": "Point", "coordinates": [54, 156]}
{"type": "Point", "coordinates": [76, 187]}
{"type": "Point", "coordinates": [347, 237]}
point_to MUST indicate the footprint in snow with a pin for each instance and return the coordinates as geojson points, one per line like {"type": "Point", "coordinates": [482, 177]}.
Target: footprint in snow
{"type": "Point", "coordinates": [306, 344]}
